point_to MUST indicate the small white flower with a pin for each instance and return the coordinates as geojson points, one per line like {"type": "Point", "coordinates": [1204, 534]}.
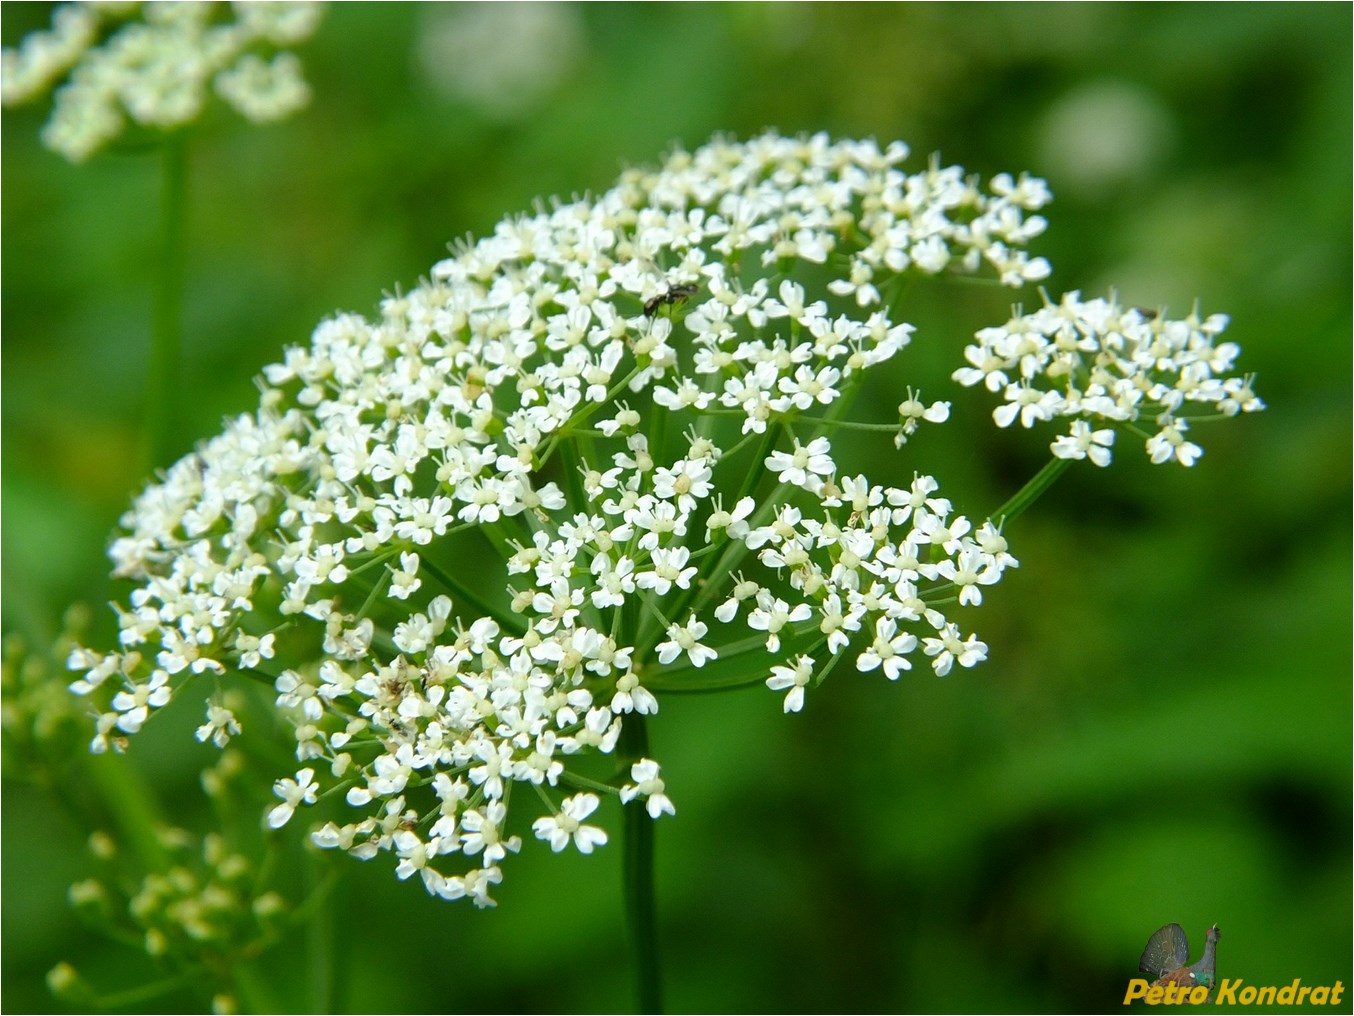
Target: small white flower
{"type": "Point", "coordinates": [743, 589]}
{"type": "Point", "coordinates": [262, 91]}
{"type": "Point", "coordinates": [889, 650]}
{"type": "Point", "coordinates": [666, 570]}
{"type": "Point", "coordinates": [404, 579]}
{"type": "Point", "coordinates": [254, 649]}
{"type": "Point", "coordinates": [647, 784]}
{"type": "Point", "coordinates": [483, 834]}
{"type": "Point", "coordinates": [732, 522]}
{"type": "Point", "coordinates": [631, 697]}
{"type": "Point", "coordinates": [686, 639]}
{"type": "Point", "coordinates": [221, 725]}
{"type": "Point", "coordinates": [568, 824]}
{"type": "Point", "coordinates": [294, 793]}
{"type": "Point", "coordinates": [135, 704]}
{"type": "Point", "coordinates": [971, 570]}
{"type": "Point", "coordinates": [1082, 442]}
{"type": "Point", "coordinates": [836, 624]}
{"type": "Point", "coordinates": [794, 679]}
{"type": "Point", "coordinates": [1170, 443]}
{"type": "Point", "coordinates": [912, 411]}
{"type": "Point", "coordinates": [772, 614]}
{"type": "Point", "coordinates": [949, 649]}
{"type": "Point", "coordinates": [806, 466]}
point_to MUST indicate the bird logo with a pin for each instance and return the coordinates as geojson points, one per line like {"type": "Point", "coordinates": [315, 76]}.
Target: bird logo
{"type": "Point", "coordinates": [1167, 954]}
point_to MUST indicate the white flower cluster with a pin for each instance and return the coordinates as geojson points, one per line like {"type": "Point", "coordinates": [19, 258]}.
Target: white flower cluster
{"type": "Point", "coordinates": [631, 403]}
{"type": "Point", "coordinates": [156, 70]}
{"type": "Point", "coordinates": [1097, 362]}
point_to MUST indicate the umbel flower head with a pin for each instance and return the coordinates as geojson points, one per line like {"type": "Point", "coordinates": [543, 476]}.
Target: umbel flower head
{"type": "Point", "coordinates": [1095, 360]}
{"type": "Point", "coordinates": [630, 407]}
{"type": "Point", "coordinates": [154, 63]}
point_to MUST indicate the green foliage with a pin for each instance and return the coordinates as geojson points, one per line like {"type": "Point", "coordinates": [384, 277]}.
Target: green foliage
{"type": "Point", "coordinates": [1163, 731]}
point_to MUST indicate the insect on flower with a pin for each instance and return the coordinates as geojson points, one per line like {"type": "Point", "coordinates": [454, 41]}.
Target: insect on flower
{"type": "Point", "coordinates": [673, 296]}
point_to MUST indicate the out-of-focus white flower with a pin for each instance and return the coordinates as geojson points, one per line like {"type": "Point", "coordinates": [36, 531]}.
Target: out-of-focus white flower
{"type": "Point", "coordinates": [502, 59]}
{"type": "Point", "coordinates": [156, 70]}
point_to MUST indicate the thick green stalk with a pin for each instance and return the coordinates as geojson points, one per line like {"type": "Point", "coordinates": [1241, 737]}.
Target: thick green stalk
{"type": "Point", "coordinates": [637, 872]}
{"type": "Point", "coordinates": [162, 371]}
{"type": "Point", "coordinates": [319, 939]}
{"type": "Point", "coordinates": [1029, 493]}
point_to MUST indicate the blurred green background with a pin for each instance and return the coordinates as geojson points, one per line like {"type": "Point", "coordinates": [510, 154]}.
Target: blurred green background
{"type": "Point", "coordinates": [1163, 729]}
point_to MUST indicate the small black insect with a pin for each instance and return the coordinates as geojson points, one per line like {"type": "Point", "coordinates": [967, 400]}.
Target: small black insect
{"type": "Point", "coordinates": [1146, 313]}
{"type": "Point", "coordinates": [674, 296]}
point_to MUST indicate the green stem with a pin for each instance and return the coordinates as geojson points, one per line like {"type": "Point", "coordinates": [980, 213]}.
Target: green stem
{"type": "Point", "coordinates": [132, 806]}
{"type": "Point", "coordinates": [728, 682]}
{"type": "Point", "coordinates": [638, 878]}
{"type": "Point", "coordinates": [136, 998]}
{"type": "Point", "coordinates": [903, 286]}
{"type": "Point", "coordinates": [583, 415]}
{"type": "Point", "coordinates": [163, 368]}
{"type": "Point", "coordinates": [319, 939]}
{"type": "Point", "coordinates": [711, 584]}
{"type": "Point", "coordinates": [1029, 493]}
{"type": "Point", "coordinates": [252, 989]}
{"type": "Point", "coordinates": [587, 783]}
{"type": "Point", "coordinates": [463, 593]}
{"type": "Point", "coordinates": [881, 428]}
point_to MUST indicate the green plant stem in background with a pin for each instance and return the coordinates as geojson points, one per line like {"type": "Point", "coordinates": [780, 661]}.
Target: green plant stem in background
{"type": "Point", "coordinates": [163, 367]}
{"type": "Point", "coordinates": [637, 874]}
{"type": "Point", "coordinates": [132, 807]}
{"type": "Point", "coordinates": [252, 989]}
{"type": "Point", "coordinates": [319, 934]}
{"type": "Point", "coordinates": [135, 998]}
